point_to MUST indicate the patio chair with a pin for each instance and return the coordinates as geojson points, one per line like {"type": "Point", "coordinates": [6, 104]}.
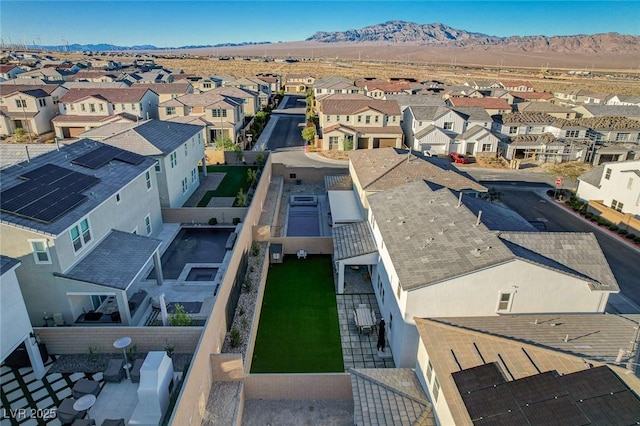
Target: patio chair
{"type": "Point", "coordinates": [302, 254]}
{"type": "Point", "coordinates": [85, 387]}
{"type": "Point", "coordinates": [113, 422]}
{"type": "Point", "coordinates": [114, 372]}
{"type": "Point", "coordinates": [135, 370]}
{"type": "Point", "coordinates": [65, 412]}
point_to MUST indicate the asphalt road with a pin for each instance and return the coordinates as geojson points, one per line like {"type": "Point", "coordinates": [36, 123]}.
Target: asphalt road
{"type": "Point", "coordinates": [624, 261]}
{"type": "Point", "coordinates": [286, 132]}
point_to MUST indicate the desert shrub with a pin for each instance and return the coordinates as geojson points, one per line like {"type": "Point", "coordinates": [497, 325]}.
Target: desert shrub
{"type": "Point", "coordinates": [255, 248]}
{"type": "Point", "coordinates": [180, 318]}
{"type": "Point", "coordinates": [613, 228]}
{"type": "Point", "coordinates": [630, 236]}
{"type": "Point", "coordinates": [213, 221]}
{"type": "Point", "coordinates": [588, 215]}
{"type": "Point", "coordinates": [623, 231]}
{"type": "Point", "coordinates": [235, 338]}
{"type": "Point", "coordinates": [637, 239]}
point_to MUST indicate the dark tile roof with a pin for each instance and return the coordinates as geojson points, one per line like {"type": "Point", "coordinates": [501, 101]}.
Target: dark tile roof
{"type": "Point", "coordinates": [124, 95]}
{"type": "Point", "coordinates": [7, 263]}
{"type": "Point", "coordinates": [338, 183]}
{"type": "Point", "coordinates": [115, 261]}
{"type": "Point", "coordinates": [112, 179]}
{"type": "Point", "coordinates": [351, 240]}
{"type": "Point", "coordinates": [354, 106]}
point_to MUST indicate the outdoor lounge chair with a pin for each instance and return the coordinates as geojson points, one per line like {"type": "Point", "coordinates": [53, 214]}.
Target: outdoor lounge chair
{"type": "Point", "coordinates": [85, 387]}
{"type": "Point", "coordinates": [114, 372]}
{"type": "Point", "coordinates": [65, 412]}
{"type": "Point", "coordinates": [113, 422]}
{"type": "Point", "coordinates": [135, 370]}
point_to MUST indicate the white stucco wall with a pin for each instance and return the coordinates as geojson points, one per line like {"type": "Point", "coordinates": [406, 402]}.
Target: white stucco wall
{"type": "Point", "coordinates": [14, 320]}
{"type": "Point", "coordinates": [623, 186]}
{"type": "Point", "coordinates": [172, 177]}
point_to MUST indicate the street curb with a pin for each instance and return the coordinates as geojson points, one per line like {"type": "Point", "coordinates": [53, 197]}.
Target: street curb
{"type": "Point", "coordinates": [316, 157]}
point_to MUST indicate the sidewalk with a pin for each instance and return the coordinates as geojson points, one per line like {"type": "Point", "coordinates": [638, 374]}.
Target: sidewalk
{"type": "Point", "coordinates": [317, 157]}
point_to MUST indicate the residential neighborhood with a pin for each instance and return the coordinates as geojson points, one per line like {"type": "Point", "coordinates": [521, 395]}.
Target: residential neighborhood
{"type": "Point", "coordinates": [420, 252]}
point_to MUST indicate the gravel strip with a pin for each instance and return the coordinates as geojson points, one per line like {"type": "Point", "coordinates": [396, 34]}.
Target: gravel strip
{"type": "Point", "coordinates": [86, 363]}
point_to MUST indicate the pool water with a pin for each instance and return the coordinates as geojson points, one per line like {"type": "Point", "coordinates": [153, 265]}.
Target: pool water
{"type": "Point", "coordinates": [193, 245]}
{"type": "Point", "coordinates": [202, 274]}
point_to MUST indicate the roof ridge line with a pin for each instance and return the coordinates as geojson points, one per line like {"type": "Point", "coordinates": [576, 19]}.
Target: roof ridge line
{"type": "Point", "coordinates": [399, 161]}
{"type": "Point", "coordinates": [389, 388]}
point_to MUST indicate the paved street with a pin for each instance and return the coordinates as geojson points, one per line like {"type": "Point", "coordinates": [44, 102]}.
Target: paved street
{"type": "Point", "coordinates": [624, 261]}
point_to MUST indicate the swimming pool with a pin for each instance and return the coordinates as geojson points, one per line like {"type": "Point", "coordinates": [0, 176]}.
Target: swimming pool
{"type": "Point", "coordinates": [303, 221]}
{"type": "Point", "coordinates": [193, 245]}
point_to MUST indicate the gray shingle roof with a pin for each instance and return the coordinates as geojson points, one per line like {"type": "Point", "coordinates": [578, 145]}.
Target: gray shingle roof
{"type": "Point", "coordinates": [429, 113]}
{"type": "Point", "coordinates": [12, 153]}
{"type": "Point", "coordinates": [496, 217]}
{"type": "Point", "coordinates": [613, 110]}
{"type": "Point", "coordinates": [473, 113]}
{"type": "Point", "coordinates": [406, 100]}
{"type": "Point", "coordinates": [338, 183]}
{"type": "Point", "coordinates": [351, 240]}
{"type": "Point", "coordinates": [389, 396]}
{"type": "Point", "coordinates": [154, 137]}
{"type": "Point", "coordinates": [115, 261]}
{"type": "Point", "coordinates": [429, 239]}
{"type": "Point", "coordinates": [593, 336]}
{"type": "Point", "coordinates": [385, 168]}
{"type": "Point", "coordinates": [112, 177]}
{"type": "Point", "coordinates": [6, 263]}
{"type": "Point", "coordinates": [574, 253]}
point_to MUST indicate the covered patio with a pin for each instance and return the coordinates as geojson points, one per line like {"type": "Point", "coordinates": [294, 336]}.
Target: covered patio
{"type": "Point", "coordinates": [108, 272]}
{"type": "Point", "coordinates": [354, 247]}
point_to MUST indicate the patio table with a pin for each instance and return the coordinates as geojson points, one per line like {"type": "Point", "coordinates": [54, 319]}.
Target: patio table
{"type": "Point", "coordinates": [364, 319]}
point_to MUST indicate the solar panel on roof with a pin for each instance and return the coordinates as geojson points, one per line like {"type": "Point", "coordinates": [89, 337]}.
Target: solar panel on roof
{"type": "Point", "coordinates": [130, 157]}
{"type": "Point", "coordinates": [559, 411]}
{"type": "Point", "coordinates": [97, 158]}
{"type": "Point", "coordinates": [48, 193]}
{"type": "Point", "coordinates": [478, 377]}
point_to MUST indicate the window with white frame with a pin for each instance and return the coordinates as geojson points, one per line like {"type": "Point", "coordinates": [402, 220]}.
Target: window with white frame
{"type": "Point", "coordinates": [571, 133]}
{"type": "Point", "coordinates": [337, 118]}
{"type": "Point", "coordinates": [158, 167]}
{"type": "Point", "coordinates": [622, 137]}
{"type": "Point", "coordinates": [359, 119]}
{"type": "Point", "coordinates": [617, 205]}
{"type": "Point", "coordinates": [398, 290]}
{"type": "Point", "coordinates": [367, 119]}
{"type": "Point", "coordinates": [376, 118]}
{"type": "Point", "coordinates": [92, 107]}
{"type": "Point", "coordinates": [170, 110]}
{"type": "Point", "coordinates": [42, 102]}
{"type": "Point", "coordinates": [448, 125]}
{"type": "Point", "coordinates": [194, 175]}
{"type": "Point", "coordinates": [607, 174]}
{"type": "Point", "coordinates": [185, 185]}
{"type": "Point", "coordinates": [40, 251]}
{"type": "Point", "coordinates": [80, 235]}
{"type": "Point", "coordinates": [186, 150]}
{"type": "Point", "coordinates": [436, 388]}
{"type": "Point", "coordinates": [513, 130]}
{"type": "Point", "coordinates": [83, 107]}
{"type": "Point", "coordinates": [486, 147]}
{"type": "Point", "coordinates": [147, 178]}
{"type": "Point", "coordinates": [429, 371]}
{"type": "Point", "coordinates": [333, 142]}
{"type": "Point", "coordinates": [174, 159]}
{"type": "Point", "coordinates": [21, 103]}
{"type": "Point", "coordinates": [504, 302]}
{"type": "Point", "coordinates": [147, 224]}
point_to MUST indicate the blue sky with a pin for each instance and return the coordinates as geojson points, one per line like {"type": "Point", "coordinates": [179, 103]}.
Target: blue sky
{"type": "Point", "coordinates": [177, 23]}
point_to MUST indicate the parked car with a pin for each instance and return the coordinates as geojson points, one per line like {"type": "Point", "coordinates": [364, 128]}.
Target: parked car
{"type": "Point", "coordinates": [458, 158]}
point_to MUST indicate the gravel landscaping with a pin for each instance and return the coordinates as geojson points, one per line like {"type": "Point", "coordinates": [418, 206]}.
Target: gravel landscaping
{"type": "Point", "coordinates": [96, 363]}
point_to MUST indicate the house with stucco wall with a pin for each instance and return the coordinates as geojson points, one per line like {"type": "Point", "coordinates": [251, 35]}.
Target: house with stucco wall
{"type": "Point", "coordinates": [29, 107]}
{"type": "Point", "coordinates": [82, 220]}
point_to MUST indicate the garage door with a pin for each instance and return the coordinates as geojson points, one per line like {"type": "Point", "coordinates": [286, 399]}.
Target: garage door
{"type": "Point", "coordinates": [387, 142]}
{"type": "Point", "coordinates": [75, 131]}
{"type": "Point", "coordinates": [363, 143]}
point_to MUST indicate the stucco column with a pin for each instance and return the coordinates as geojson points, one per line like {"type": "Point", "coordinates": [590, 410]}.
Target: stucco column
{"type": "Point", "coordinates": [340, 277]}
{"type": "Point", "coordinates": [158, 264]}
{"type": "Point", "coordinates": [34, 357]}
{"type": "Point", "coordinates": [204, 165]}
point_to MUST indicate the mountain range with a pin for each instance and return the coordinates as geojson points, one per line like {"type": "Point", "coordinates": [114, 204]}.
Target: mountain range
{"type": "Point", "coordinates": [104, 47]}
{"type": "Point", "coordinates": [437, 34]}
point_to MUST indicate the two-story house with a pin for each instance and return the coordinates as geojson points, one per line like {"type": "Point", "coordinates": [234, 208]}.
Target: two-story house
{"type": "Point", "coordinates": [378, 89]}
{"type": "Point", "coordinates": [262, 89]}
{"type": "Point", "coordinates": [177, 149]}
{"type": "Point", "coordinates": [250, 99]}
{"type": "Point", "coordinates": [222, 115]}
{"type": "Point", "coordinates": [9, 72]}
{"type": "Point", "coordinates": [362, 123]}
{"type": "Point", "coordinates": [81, 220]}
{"type": "Point", "coordinates": [334, 84]}
{"type": "Point", "coordinates": [298, 83]}
{"type": "Point", "coordinates": [29, 107]}
{"type": "Point", "coordinates": [516, 86]}
{"type": "Point", "coordinates": [83, 109]}
{"type": "Point", "coordinates": [168, 91]}
{"type": "Point", "coordinates": [613, 191]}
{"type": "Point", "coordinates": [623, 100]}
{"type": "Point", "coordinates": [554, 110]}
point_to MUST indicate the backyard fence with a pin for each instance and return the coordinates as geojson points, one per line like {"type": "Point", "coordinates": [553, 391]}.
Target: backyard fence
{"type": "Point", "coordinates": [203, 214]}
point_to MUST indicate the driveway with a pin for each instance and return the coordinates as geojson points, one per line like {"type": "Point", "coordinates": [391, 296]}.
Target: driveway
{"type": "Point", "coordinates": [623, 260]}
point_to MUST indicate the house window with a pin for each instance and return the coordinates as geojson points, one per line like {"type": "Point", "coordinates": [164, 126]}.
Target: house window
{"type": "Point", "coordinates": [186, 150]}
{"type": "Point", "coordinates": [42, 102]}
{"type": "Point", "coordinates": [448, 125]}
{"type": "Point", "coordinates": [80, 235]}
{"type": "Point", "coordinates": [333, 142]}
{"type": "Point", "coordinates": [40, 251]}
{"type": "Point", "coordinates": [359, 119]}
{"type": "Point", "coordinates": [571, 133]}
{"type": "Point", "coordinates": [377, 118]}
{"type": "Point", "coordinates": [436, 388]}
{"type": "Point", "coordinates": [486, 147]}
{"type": "Point", "coordinates": [348, 117]}
{"type": "Point", "coordinates": [83, 107]}
{"type": "Point", "coordinates": [133, 107]}
{"type": "Point", "coordinates": [147, 224]}
{"type": "Point", "coordinates": [398, 290]}
{"type": "Point", "coordinates": [174, 159]}
{"type": "Point", "coordinates": [617, 205]}
{"type": "Point", "coordinates": [504, 302]}
{"type": "Point", "coordinates": [21, 103]}
{"type": "Point", "coordinates": [72, 107]}
{"type": "Point", "coordinates": [118, 198]}
{"type": "Point", "coordinates": [367, 119]}
{"type": "Point", "coordinates": [147, 178]}
{"type": "Point", "coordinates": [393, 118]}
{"type": "Point", "coordinates": [622, 136]}
{"type": "Point", "coordinates": [429, 371]}
{"type": "Point", "coordinates": [92, 107]}
{"type": "Point", "coordinates": [328, 118]}
{"type": "Point", "coordinates": [337, 118]}
{"type": "Point", "coordinates": [158, 167]}
{"type": "Point", "coordinates": [101, 107]}
{"type": "Point", "coordinates": [185, 185]}
{"type": "Point", "coordinates": [171, 110]}
{"type": "Point", "coordinates": [607, 174]}
{"type": "Point", "coordinates": [218, 112]}
{"type": "Point", "coordinates": [194, 175]}
{"type": "Point", "coordinates": [56, 99]}
{"type": "Point", "coordinates": [206, 85]}
{"type": "Point", "coordinates": [513, 130]}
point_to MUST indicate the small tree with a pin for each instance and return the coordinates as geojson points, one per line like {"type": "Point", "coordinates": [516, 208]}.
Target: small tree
{"type": "Point", "coordinates": [309, 134]}
{"type": "Point", "coordinates": [180, 317]}
{"type": "Point", "coordinates": [20, 134]}
{"type": "Point", "coordinates": [242, 199]}
{"type": "Point", "coordinates": [224, 144]}
{"type": "Point", "coordinates": [348, 143]}
{"type": "Point", "coordinates": [260, 159]}
{"type": "Point", "coordinates": [252, 177]}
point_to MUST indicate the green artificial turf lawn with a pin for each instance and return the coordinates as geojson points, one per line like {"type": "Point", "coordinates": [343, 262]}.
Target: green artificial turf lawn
{"type": "Point", "coordinates": [298, 330]}
{"type": "Point", "coordinates": [235, 178]}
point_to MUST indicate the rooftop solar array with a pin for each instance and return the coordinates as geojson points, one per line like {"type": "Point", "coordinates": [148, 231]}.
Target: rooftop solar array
{"type": "Point", "coordinates": [588, 397]}
{"type": "Point", "coordinates": [105, 154]}
{"type": "Point", "coordinates": [47, 193]}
